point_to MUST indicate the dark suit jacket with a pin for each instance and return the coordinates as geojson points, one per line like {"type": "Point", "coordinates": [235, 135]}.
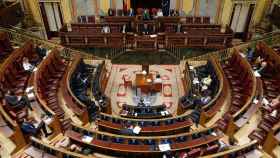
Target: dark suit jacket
{"type": "Point", "coordinates": [11, 100]}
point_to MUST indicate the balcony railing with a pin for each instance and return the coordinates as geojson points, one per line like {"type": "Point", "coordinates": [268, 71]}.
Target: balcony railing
{"type": "Point", "coordinates": [271, 38]}
{"type": "Point", "coordinates": [20, 37]}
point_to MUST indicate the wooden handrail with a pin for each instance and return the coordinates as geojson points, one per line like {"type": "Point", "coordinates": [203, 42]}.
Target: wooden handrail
{"type": "Point", "coordinates": [36, 86]}
{"type": "Point", "coordinates": [143, 137]}
{"type": "Point", "coordinates": [76, 60]}
{"type": "Point", "coordinates": [232, 150]}
{"type": "Point", "coordinates": [14, 55]}
{"type": "Point", "coordinates": [254, 83]}
{"type": "Point", "coordinates": [59, 150]}
{"type": "Point", "coordinates": [221, 81]}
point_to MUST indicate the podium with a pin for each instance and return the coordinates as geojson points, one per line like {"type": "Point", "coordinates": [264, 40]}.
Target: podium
{"type": "Point", "coordinates": [147, 83]}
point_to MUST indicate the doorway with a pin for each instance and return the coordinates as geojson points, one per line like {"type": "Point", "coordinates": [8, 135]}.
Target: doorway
{"type": "Point", "coordinates": [52, 18]}
{"type": "Point", "coordinates": [241, 19]}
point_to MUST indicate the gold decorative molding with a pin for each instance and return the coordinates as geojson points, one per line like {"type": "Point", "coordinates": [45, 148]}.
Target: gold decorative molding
{"type": "Point", "coordinates": [244, 1]}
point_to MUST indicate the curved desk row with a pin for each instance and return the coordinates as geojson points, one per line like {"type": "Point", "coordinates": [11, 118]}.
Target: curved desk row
{"type": "Point", "coordinates": [268, 129]}
{"type": "Point", "coordinates": [144, 112]}
{"type": "Point", "coordinates": [148, 146]}
{"type": "Point", "coordinates": [243, 85]}
{"type": "Point", "coordinates": [10, 78]}
{"type": "Point", "coordinates": [220, 98]}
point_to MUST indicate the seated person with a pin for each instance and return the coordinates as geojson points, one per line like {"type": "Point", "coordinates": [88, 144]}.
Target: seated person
{"type": "Point", "coordinates": [75, 148]}
{"type": "Point", "coordinates": [131, 12]}
{"type": "Point", "coordinates": [205, 100]}
{"type": "Point", "coordinates": [27, 66]}
{"type": "Point", "coordinates": [174, 12]}
{"type": "Point", "coordinates": [33, 127]}
{"type": "Point", "coordinates": [258, 62]}
{"type": "Point", "coordinates": [17, 101]}
{"type": "Point", "coordinates": [110, 12]}
{"type": "Point", "coordinates": [178, 29]}
{"type": "Point", "coordinates": [274, 113]}
{"type": "Point", "coordinates": [250, 54]}
{"type": "Point", "coordinates": [159, 13]}
{"type": "Point", "coordinates": [124, 28]}
{"type": "Point", "coordinates": [262, 68]}
{"type": "Point", "coordinates": [42, 52]}
{"type": "Point", "coordinates": [207, 80]}
{"type": "Point", "coordinates": [275, 101]}
{"type": "Point", "coordinates": [146, 15]}
{"type": "Point", "coordinates": [82, 81]}
{"type": "Point", "coordinates": [274, 104]}
{"type": "Point", "coordinates": [106, 29]}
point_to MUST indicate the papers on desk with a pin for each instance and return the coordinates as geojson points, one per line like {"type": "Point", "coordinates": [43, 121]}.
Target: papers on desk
{"type": "Point", "coordinates": [257, 74]}
{"type": "Point", "coordinates": [48, 52]}
{"type": "Point", "coordinates": [87, 139]}
{"type": "Point", "coordinates": [153, 36]}
{"type": "Point", "coordinates": [214, 134]}
{"type": "Point", "coordinates": [137, 129]}
{"type": "Point", "coordinates": [48, 120]}
{"type": "Point", "coordinates": [243, 55]}
{"type": "Point", "coordinates": [191, 67]}
{"type": "Point", "coordinates": [124, 112]}
{"type": "Point", "coordinates": [31, 96]}
{"type": "Point", "coordinates": [255, 101]}
{"type": "Point", "coordinates": [149, 80]}
{"type": "Point", "coordinates": [35, 69]}
{"type": "Point", "coordinates": [265, 101]}
{"type": "Point", "coordinates": [164, 147]}
{"type": "Point", "coordinates": [29, 89]}
{"type": "Point", "coordinates": [204, 88]}
{"type": "Point", "coordinates": [195, 80]}
{"type": "Point", "coordinates": [164, 113]}
{"type": "Point", "coordinates": [36, 124]}
{"type": "Point", "coordinates": [158, 80]}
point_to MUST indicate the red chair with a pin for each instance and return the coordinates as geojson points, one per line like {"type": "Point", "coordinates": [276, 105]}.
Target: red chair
{"type": "Point", "coordinates": [127, 81]}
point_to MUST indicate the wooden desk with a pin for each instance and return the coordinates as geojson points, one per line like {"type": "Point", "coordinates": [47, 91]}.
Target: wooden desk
{"type": "Point", "coordinates": [143, 84]}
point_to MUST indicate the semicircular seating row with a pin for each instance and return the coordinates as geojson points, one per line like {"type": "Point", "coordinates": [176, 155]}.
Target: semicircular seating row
{"type": "Point", "coordinates": [173, 131]}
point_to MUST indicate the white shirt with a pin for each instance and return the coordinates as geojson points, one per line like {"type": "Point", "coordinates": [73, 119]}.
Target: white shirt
{"type": "Point", "coordinates": [159, 13]}
{"type": "Point", "coordinates": [106, 29]}
{"type": "Point", "coordinates": [27, 66]}
{"type": "Point", "coordinates": [274, 113]}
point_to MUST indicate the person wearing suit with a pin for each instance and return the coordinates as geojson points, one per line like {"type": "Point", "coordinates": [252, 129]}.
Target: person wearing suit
{"type": "Point", "coordinates": [27, 66]}
{"type": "Point", "coordinates": [29, 128]}
{"type": "Point", "coordinates": [110, 12]}
{"type": "Point", "coordinates": [17, 101]}
{"type": "Point", "coordinates": [106, 29]}
{"type": "Point", "coordinates": [131, 12]}
{"type": "Point", "coordinates": [42, 52]}
{"type": "Point", "coordinates": [146, 15]}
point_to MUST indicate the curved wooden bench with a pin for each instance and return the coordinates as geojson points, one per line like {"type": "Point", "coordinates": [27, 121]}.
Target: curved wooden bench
{"type": "Point", "coordinates": [50, 151]}
{"type": "Point", "coordinates": [106, 123]}
{"type": "Point", "coordinates": [70, 99]}
{"type": "Point", "coordinates": [245, 90]}
{"type": "Point", "coordinates": [9, 71]}
{"type": "Point", "coordinates": [56, 125]}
